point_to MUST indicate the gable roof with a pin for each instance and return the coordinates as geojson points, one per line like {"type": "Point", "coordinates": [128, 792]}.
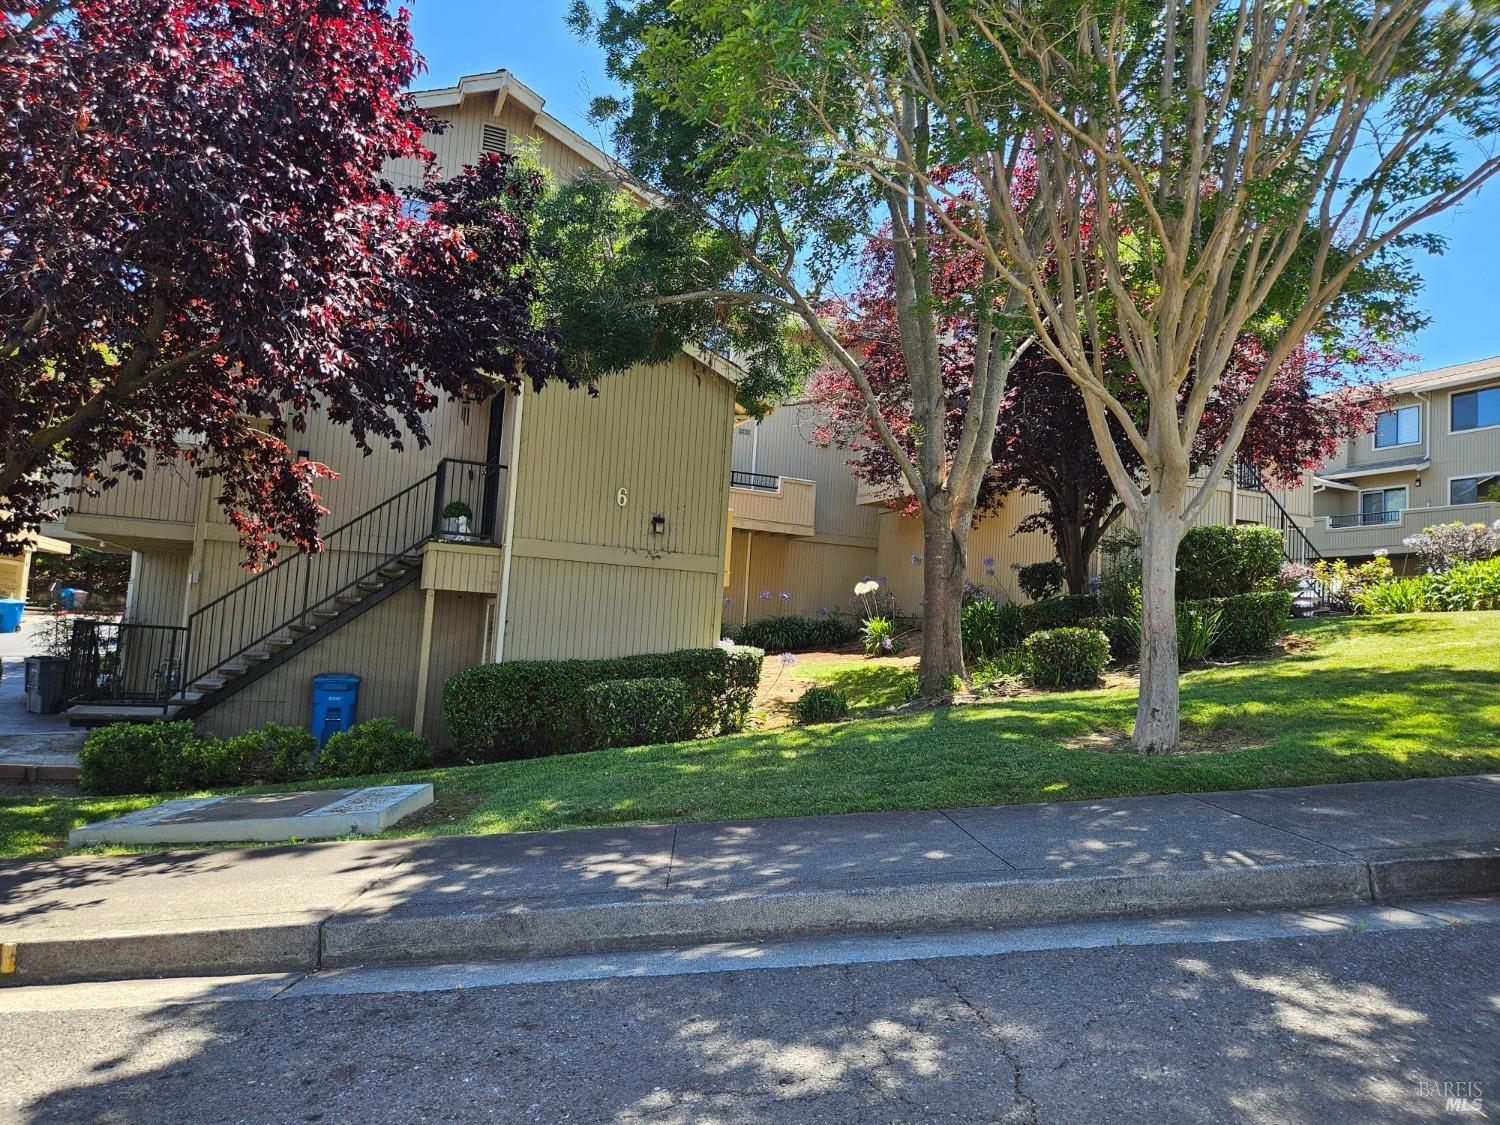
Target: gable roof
{"type": "Point", "coordinates": [1441, 378]}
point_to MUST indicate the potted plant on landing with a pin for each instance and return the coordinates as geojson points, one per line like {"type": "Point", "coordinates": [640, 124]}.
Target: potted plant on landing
{"type": "Point", "coordinates": [456, 517]}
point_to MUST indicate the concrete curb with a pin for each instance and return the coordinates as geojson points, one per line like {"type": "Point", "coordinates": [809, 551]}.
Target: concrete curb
{"type": "Point", "coordinates": [347, 938]}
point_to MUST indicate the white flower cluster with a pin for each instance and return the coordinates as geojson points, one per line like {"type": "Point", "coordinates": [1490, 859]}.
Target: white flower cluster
{"type": "Point", "coordinates": [868, 586]}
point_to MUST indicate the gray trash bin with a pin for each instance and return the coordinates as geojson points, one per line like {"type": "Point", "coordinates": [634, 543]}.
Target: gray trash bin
{"type": "Point", "coordinates": [46, 683]}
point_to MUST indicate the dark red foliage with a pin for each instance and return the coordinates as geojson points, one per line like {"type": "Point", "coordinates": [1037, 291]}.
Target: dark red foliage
{"type": "Point", "coordinates": [194, 234]}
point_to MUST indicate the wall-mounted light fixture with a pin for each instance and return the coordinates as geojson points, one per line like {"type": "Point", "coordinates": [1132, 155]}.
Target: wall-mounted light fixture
{"type": "Point", "coordinates": [1417, 483]}
{"type": "Point", "coordinates": [658, 525]}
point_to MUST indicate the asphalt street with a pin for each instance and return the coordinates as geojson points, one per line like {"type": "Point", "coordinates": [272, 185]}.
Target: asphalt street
{"type": "Point", "coordinates": [1358, 1024]}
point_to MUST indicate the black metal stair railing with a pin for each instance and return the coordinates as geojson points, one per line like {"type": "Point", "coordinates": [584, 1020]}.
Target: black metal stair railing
{"type": "Point", "coordinates": [300, 587]}
{"type": "Point", "coordinates": [1296, 547]}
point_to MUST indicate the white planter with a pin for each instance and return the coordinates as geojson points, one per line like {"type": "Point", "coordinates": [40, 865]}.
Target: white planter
{"type": "Point", "coordinates": [455, 525]}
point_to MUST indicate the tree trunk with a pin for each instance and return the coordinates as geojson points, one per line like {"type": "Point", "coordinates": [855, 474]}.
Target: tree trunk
{"type": "Point", "coordinates": [1074, 556]}
{"type": "Point", "coordinates": [1157, 726]}
{"type": "Point", "coordinates": [945, 551]}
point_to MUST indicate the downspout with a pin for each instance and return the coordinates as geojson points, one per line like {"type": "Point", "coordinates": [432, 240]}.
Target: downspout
{"type": "Point", "coordinates": [745, 600]}
{"type": "Point", "coordinates": [502, 604]}
{"type": "Point", "coordinates": [1426, 428]}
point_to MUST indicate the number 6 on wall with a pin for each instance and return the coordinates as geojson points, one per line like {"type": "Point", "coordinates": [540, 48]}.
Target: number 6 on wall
{"type": "Point", "coordinates": [623, 496]}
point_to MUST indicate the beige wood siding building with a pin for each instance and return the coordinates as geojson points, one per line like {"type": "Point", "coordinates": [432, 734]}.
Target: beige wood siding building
{"type": "Point", "coordinates": [800, 541]}
{"type": "Point", "coordinates": [1433, 458]}
{"type": "Point", "coordinates": [596, 526]}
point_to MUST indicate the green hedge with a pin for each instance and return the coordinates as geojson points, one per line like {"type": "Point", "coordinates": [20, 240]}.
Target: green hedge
{"type": "Point", "coordinates": [791, 633]}
{"type": "Point", "coordinates": [1039, 581]}
{"type": "Point", "coordinates": [373, 746]}
{"type": "Point", "coordinates": [1124, 635]}
{"type": "Point", "coordinates": [169, 757]}
{"type": "Point", "coordinates": [1249, 623]}
{"type": "Point", "coordinates": [153, 758]}
{"type": "Point", "coordinates": [643, 712]}
{"type": "Point", "coordinates": [532, 708]}
{"type": "Point", "coordinates": [820, 705]}
{"type": "Point", "coordinates": [1215, 561]}
{"type": "Point", "coordinates": [1058, 613]}
{"type": "Point", "coordinates": [1064, 658]}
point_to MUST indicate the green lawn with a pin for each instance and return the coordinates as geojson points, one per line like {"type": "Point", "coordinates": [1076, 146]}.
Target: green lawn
{"type": "Point", "coordinates": [864, 685]}
{"type": "Point", "coordinates": [1382, 697]}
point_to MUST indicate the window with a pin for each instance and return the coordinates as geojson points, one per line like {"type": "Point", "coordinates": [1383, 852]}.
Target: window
{"type": "Point", "coordinates": [1381, 505]}
{"type": "Point", "coordinates": [1398, 427]}
{"type": "Point", "coordinates": [1474, 410]}
{"type": "Point", "coordinates": [1474, 490]}
{"type": "Point", "coordinates": [495, 139]}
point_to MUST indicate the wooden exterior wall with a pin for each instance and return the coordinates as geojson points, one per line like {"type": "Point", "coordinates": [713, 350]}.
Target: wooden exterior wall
{"type": "Point", "coordinates": [589, 577]}
{"type": "Point", "coordinates": [819, 571]}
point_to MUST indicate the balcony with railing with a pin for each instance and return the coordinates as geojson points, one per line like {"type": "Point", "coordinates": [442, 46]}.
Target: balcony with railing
{"type": "Point", "coordinates": [764, 502]}
{"type": "Point", "coordinates": [1360, 533]}
{"type": "Point", "coordinates": [159, 508]}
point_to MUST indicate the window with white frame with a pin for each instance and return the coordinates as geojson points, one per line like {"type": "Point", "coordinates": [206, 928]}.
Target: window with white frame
{"type": "Point", "coordinates": [1402, 426]}
{"type": "Point", "coordinates": [1474, 490]}
{"type": "Point", "coordinates": [1475, 410]}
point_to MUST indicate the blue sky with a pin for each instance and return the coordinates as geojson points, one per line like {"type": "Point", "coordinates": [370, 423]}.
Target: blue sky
{"type": "Point", "coordinates": [529, 37]}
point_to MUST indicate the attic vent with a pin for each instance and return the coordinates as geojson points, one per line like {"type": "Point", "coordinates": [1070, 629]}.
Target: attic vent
{"type": "Point", "coordinates": [495, 139]}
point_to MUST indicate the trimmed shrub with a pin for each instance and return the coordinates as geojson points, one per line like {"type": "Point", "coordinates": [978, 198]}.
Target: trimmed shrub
{"type": "Point", "coordinates": [1248, 623]}
{"type": "Point", "coordinates": [820, 705]}
{"type": "Point", "coordinates": [1064, 657]}
{"type": "Point", "coordinates": [641, 712]}
{"type": "Point", "coordinates": [152, 758]}
{"type": "Point", "coordinates": [791, 633]}
{"type": "Point", "coordinates": [373, 746]}
{"type": "Point", "coordinates": [1124, 635]}
{"type": "Point", "coordinates": [1467, 586]}
{"type": "Point", "coordinates": [274, 753]}
{"type": "Point", "coordinates": [1058, 613]}
{"type": "Point", "coordinates": [1041, 580]}
{"type": "Point", "coordinates": [989, 627]}
{"type": "Point", "coordinates": [1214, 561]}
{"type": "Point", "coordinates": [532, 708]}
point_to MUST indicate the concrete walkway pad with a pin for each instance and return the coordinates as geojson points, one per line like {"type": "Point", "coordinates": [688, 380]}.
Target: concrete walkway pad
{"type": "Point", "coordinates": [317, 815]}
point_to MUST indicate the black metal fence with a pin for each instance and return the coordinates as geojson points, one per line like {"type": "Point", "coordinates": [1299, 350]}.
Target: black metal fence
{"type": "Point", "coordinates": [121, 662]}
{"type": "Point", "coordinates": [1364, 519]}
{"type": "Point", "coordinates": [764, 482]}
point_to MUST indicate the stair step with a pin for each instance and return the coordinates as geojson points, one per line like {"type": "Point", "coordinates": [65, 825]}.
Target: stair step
{"type": "Point", "coordinates": [207, 684]}
{"type": "Point", "coordinates": [410, 561]}
{"type": "Point", "coordinates": [393, 571]}
{"type": "Point", "coordinates": [256, 657]}
{"type": "Point", "coordinates": [327, 613]}
{"type": "Point", "coordinates": [349, 599]}
{"type": "Point", "coordinates": [183, 698]}
{"type": "Point", "coordinates": [370, 587]}
{"type": "Point", "coordinates": [282, 641]}
{"type": "Point", "coordinates": [238, 668]}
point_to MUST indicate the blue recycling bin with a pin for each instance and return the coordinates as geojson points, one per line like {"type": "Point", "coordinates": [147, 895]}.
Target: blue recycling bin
{"type": "Point", "coordinates": [335, 702]}
{"type": "Point", "coordinates": [11, 610]}
{"type": "Point", "coordinates": [65, 597]}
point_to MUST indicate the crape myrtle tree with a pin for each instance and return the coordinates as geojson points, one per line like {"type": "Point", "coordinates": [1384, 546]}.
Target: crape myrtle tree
{"type": "Point", "coordinates": [780, 137]}
{"type": "Point", "coordinates": [1043, 445]}
{"type": "Point", "coordinates": [1211, 166]}
{"type": "Point", "coordinates": [195, 239]}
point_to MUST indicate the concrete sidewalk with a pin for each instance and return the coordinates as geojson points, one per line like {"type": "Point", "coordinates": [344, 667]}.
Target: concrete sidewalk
{"type": "Point", "coordinates": [460, 898]}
